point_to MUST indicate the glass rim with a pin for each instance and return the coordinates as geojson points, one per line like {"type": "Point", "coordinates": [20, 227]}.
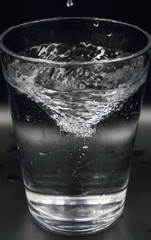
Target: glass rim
{"type": "Point", "coordinates": [63, 63]}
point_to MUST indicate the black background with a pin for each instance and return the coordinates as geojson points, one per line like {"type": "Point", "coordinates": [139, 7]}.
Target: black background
{"type": "Point", "coordinates": [134, 12]}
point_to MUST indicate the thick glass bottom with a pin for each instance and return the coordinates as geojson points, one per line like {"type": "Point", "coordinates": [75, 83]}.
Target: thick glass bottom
{"type": "Point", "coordinates": [76, 215]}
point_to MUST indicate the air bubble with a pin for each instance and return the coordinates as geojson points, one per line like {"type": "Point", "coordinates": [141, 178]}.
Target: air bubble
{"type": "Point", "coordinates": [69, 3]}
{"type": "Point", "coordinates": [85, 147]}
{"type": "Point", "coordinates": [43, 153]}
{"type": "Point", "coordinates": [109, 34]}
{"type": "Point", "coordinates": [96, 24]}
{"type": "Point", "coordinates": [59, 171]}
{"type": "Point", "coordinates": [28, 118]}
{"type": "Point", "coordinates": [78, 165]}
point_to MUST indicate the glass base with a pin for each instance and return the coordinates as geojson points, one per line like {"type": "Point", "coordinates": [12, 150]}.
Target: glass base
{"type": "Point", "coordinates": [76, 215]}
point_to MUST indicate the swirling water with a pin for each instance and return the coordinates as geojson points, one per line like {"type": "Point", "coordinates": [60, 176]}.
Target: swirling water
{"type": "Point", "coordinates": [77, 97]}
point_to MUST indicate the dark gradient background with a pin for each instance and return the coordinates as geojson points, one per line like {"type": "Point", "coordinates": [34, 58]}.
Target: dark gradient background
{"type": "Point", "coordinates": [15, 220]}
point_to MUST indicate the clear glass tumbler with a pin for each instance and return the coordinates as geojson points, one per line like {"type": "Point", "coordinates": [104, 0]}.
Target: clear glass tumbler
{"type": "Point", "coordinates": [75, 88]}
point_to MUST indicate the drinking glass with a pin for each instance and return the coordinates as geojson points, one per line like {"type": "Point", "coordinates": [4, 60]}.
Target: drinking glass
{"type": "Point", "coordinates": [75, 89]}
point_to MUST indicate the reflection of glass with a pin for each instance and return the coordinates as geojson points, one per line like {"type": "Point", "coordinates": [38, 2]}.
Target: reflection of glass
{"type": "Point", "coordinates": [76, 88]}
